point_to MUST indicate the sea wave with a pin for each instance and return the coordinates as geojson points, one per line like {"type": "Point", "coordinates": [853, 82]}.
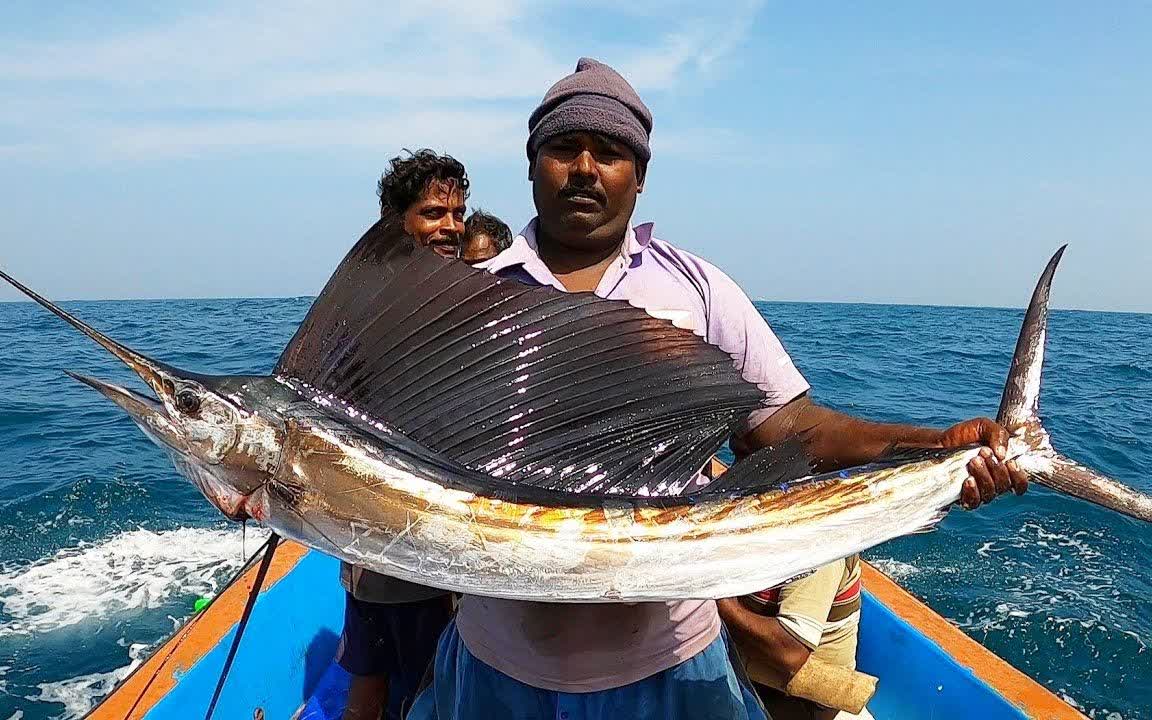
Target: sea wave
{"type": "Point", "coordinates": [894, 569]}
{"type": "Point", "coordinates": [79, 695]}
{"type": "Point", "coordinates": [1065, 604]}
{"type": "Point", "coordinates": [134, 570]}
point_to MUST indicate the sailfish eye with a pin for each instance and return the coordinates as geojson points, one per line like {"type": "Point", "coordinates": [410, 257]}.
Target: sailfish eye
{"type": "Point", "coordinates": [188, 402]}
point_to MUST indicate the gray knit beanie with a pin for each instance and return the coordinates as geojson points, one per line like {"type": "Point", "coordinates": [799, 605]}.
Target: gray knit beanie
{"type": "Point", "coordinates": [596, 99]}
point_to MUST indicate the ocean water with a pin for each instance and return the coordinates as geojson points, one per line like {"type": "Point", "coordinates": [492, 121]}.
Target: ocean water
{"type": "Point", "coordinates": [104, 548]}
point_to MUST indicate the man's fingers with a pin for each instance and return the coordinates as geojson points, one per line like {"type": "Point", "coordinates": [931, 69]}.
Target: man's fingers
{"type": "Point", "coordinates": [1019, 478]}
{"type": "Point", "coordinates": [1000, 475]}
{"type": "Point", "coordinates": [969, 495]}
{"type": "Point", "coordinates": [978, 468]}
{"type": "Point", "coordinates": [995, 437]}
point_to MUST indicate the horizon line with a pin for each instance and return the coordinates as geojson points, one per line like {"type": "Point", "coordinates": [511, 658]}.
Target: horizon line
{"type": "Point", "coordinates": [1056, 308]}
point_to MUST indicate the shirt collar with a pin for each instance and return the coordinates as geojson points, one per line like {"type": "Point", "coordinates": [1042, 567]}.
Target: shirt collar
{"type": "Point", "coordinates": [523, 252]}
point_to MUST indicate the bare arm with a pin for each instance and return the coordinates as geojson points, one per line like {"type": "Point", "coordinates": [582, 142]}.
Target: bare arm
{"type": "Point", "coordinates": [834, 440]}
{"type": "Point", "coordinates": [775, 649]}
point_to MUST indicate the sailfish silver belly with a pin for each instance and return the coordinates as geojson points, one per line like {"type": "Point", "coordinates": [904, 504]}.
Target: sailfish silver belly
{"type": "Point", "coordinates": [376, 508]}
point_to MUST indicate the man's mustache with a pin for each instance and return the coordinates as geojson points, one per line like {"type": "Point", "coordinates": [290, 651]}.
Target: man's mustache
{"type": "Point", "coordinates": [571, 191]}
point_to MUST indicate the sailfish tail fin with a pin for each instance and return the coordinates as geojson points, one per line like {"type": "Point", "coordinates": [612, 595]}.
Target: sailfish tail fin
{"type": "Point", "coordinates": [1020, 403]}
{"type": "Point", "coordinates": [1020, 414]}
{"type": "Point", "coordinates": [1072, 478]}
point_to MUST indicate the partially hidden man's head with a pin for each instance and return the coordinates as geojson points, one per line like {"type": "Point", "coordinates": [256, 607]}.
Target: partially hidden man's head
{"type": "Point", "coordinates": [427, 193]}
{"type": "Point", "coordinates": [485, 237]}
{"type": "Point", "coordinates": [587, 156]}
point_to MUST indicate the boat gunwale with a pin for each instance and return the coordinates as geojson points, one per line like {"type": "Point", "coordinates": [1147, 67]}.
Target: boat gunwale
{"type": "Point", "coordinates": [1012, 684]}
{"type": "Point", "coordinates": [204, 631]}
{"type": "Point", "coordinates": [135, 696]}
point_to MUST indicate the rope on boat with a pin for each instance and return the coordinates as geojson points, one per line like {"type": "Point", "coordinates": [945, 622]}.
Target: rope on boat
{"type": "Point", "coordinates": [265, 562]}
{"type": "Point", "coordinates": [184, 632]}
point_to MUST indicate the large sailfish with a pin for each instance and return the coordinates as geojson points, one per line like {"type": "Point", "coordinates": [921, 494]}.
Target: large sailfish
{"type": "Point", "coordinates": [442, 425]}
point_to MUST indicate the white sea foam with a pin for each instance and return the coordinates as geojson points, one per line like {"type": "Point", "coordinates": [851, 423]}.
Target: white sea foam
{"type": "Point", "coordinates": [134, 570]}
{"type": "Point", "coordinates": [1091, 713]}
{"type": "Point", "coordinates": [1059, 575]}
{"type": "Point", "coordinates": [80, 694]}
{"type": "Point", "coordinates": [893, 568]}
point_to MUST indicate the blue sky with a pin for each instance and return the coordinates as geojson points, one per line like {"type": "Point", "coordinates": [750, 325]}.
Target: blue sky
{"type": "Point", "coordinates": [878, 152]}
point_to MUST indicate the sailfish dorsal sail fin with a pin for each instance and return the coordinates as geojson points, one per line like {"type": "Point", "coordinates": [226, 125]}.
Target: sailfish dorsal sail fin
{"type": "Point", "coordinates": [527, 384]}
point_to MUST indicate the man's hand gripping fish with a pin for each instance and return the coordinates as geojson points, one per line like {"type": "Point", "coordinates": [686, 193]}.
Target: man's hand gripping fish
{"type": "Point", "coordinates": [442, 425]}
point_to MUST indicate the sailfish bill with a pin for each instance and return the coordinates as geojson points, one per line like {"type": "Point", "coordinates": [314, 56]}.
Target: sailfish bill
{"type": "Point", "coordinates": [446, 426]}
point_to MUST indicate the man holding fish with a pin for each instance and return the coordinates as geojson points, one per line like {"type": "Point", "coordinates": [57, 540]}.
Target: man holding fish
{"type": "Point", "coordinates": [495, 434]}
{"type": "Point", "coordinates": [587, 160]}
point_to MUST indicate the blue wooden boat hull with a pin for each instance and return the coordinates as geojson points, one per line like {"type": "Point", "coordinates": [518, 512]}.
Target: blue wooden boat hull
{"type": "Point", "coordinates": [284, 667]}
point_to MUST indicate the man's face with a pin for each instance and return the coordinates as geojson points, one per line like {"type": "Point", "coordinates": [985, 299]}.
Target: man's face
{"type": "Point", "coordinates": [585, 188]}
{"type": "Point", "coordinates": [478, 248]}
{"type": "Point", "coordinates": [437, 218]}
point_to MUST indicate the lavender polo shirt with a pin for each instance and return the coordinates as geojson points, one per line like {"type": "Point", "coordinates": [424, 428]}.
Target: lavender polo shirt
{"type": "Point", "coordinates": [593, 647]}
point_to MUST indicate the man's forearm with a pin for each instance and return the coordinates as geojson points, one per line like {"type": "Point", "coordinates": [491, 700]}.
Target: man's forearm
{"type": "Point", "coordinates": [838, 441]}
{"type": "Point", "coordinates": [832, 439]}
{"type": "Point", "coordinates": [772, 648]}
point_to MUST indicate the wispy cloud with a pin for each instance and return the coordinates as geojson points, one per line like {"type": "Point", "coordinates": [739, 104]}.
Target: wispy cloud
{"type": "Point", "coordinates": [485, 133]}
{"type": "Point", "coordinates": [313, 75]}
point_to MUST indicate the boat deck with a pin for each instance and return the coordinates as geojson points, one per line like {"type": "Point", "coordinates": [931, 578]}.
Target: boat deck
{"type": "Point", "coordinates": [927, 668]}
